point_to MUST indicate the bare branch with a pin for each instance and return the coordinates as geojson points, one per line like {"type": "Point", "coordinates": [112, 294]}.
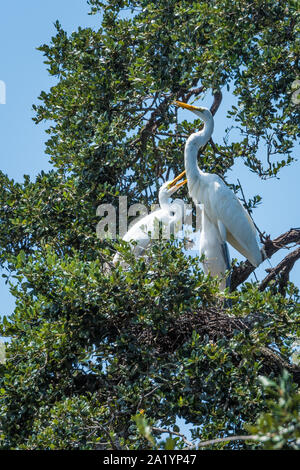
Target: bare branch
{"type": "Point", "coordinates": [193, 92]}
{"type": "Point", "coordinates": [291, 237]}
{"type": "Point", "coordinates": [152, 124]}
{"type": "Point", "coordinates": [188, 443]}
{"type": "Point", "coordinates": [228, 439]}
{"type": "Point", "coordinates": [170, 134]}
{"type": "Point", "coordinates": [283, 268]}
{"type": "Point", "coordinates": [287, 238]}
{"type": "Point", "coordinates": [210, 442]}
{"type": "Point", "coordinates": [217, 101]}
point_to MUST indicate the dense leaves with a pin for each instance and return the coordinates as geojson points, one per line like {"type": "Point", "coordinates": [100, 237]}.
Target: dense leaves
{"type": "Point", "coordinates": [104, 357]}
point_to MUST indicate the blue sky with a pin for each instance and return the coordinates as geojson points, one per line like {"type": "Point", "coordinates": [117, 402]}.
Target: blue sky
{"type": "Point", "coordinates": [26, 25]}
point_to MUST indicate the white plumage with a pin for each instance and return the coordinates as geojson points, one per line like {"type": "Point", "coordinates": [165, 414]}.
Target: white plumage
{"type": "Point", "coordinates": [210, 245]}
{"type": "Point", "coordinates": [167, 220]}
{"type": "Point", "coordinates": [223, 209]}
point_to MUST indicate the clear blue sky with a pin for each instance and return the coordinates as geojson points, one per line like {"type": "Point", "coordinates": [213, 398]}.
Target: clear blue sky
{"type": "Point", "coordinates": [26, 25]}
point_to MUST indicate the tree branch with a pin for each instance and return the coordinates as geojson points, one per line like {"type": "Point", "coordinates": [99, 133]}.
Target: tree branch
{"type": "Point", "coordinates": [188, 443]}
{"type": "Point", "coordinates": [210, 442]}
{"type": "Point", "coordinates": [194, 91]}
{"type": "Point", "coordinates": [217, 101]}
{"type": "Point", "coordinates": [227, 439]}
{"type": "Point", "coordinates": [283, 268]}
{"type": "Point", "coordinates": [152, 125]}
{"type": "Point", "coordinates": [291, 236]}
{"type": "Point", "coordinates": [157, 117]}
{"type": "Point", "coordinates": [242, 272]}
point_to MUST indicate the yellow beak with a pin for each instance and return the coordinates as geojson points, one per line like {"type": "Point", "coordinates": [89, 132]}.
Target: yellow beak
{"type": "Point", "coordinates": [187, 106]}
{"type": "Point", "coordinates": [178, 178]}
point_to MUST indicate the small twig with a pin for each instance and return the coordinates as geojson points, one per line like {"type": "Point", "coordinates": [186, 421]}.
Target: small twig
{"type": "Point", "coordinates": [195, 92]}
{"type": "Point", "coordinates": [216, 150]}
{"type": "Point", "coordinates": [188, 443]}
{"type": "Point", "coordinates": [246, 204]}
{"type": "Point", "coordinates": [169, 134]}
{"type": "Point", "coordinates": [114, 445]}
{"type": "Point", "coordinates": [144, 396]}
{"type": "Point", "coordinates": [226, 439]}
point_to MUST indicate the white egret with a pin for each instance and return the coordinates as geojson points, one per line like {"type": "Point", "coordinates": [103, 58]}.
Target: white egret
{"type": "Point", "coordinates": [221, 205]}
{"type": "Point", "coordinates": [168, 218]}
{"type": "Point", "coordinates": [211, 246]}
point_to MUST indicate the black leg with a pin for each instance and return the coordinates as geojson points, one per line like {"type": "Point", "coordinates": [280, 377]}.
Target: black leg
{"type": "Point", "coordinates": [227, 303]}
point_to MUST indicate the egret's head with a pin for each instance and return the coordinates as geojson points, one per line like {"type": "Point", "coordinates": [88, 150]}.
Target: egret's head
{"type": "Point", "coordinates": [203, 113]}
{"type": "Point", "coordinates": [170, 187]}
{"type": "Point", "coordinates": [166, 191]}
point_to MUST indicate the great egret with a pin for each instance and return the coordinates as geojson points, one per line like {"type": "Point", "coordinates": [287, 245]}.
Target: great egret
{"type": "Point", "coordinates": [211, 246]}
{"type": "Point", "coordinates": [220, 204]}
{"type": "Point", "coordinates": [168, 219]}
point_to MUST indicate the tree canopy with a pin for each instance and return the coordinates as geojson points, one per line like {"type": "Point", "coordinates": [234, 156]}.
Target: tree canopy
{"type": "Point", "coordinates": [102, 357]}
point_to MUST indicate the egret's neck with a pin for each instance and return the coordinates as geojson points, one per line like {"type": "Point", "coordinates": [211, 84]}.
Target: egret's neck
{"type": "Point", "coordinates": [193, 144]}
{"type": "Point", "coordinates": [164, 201]}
